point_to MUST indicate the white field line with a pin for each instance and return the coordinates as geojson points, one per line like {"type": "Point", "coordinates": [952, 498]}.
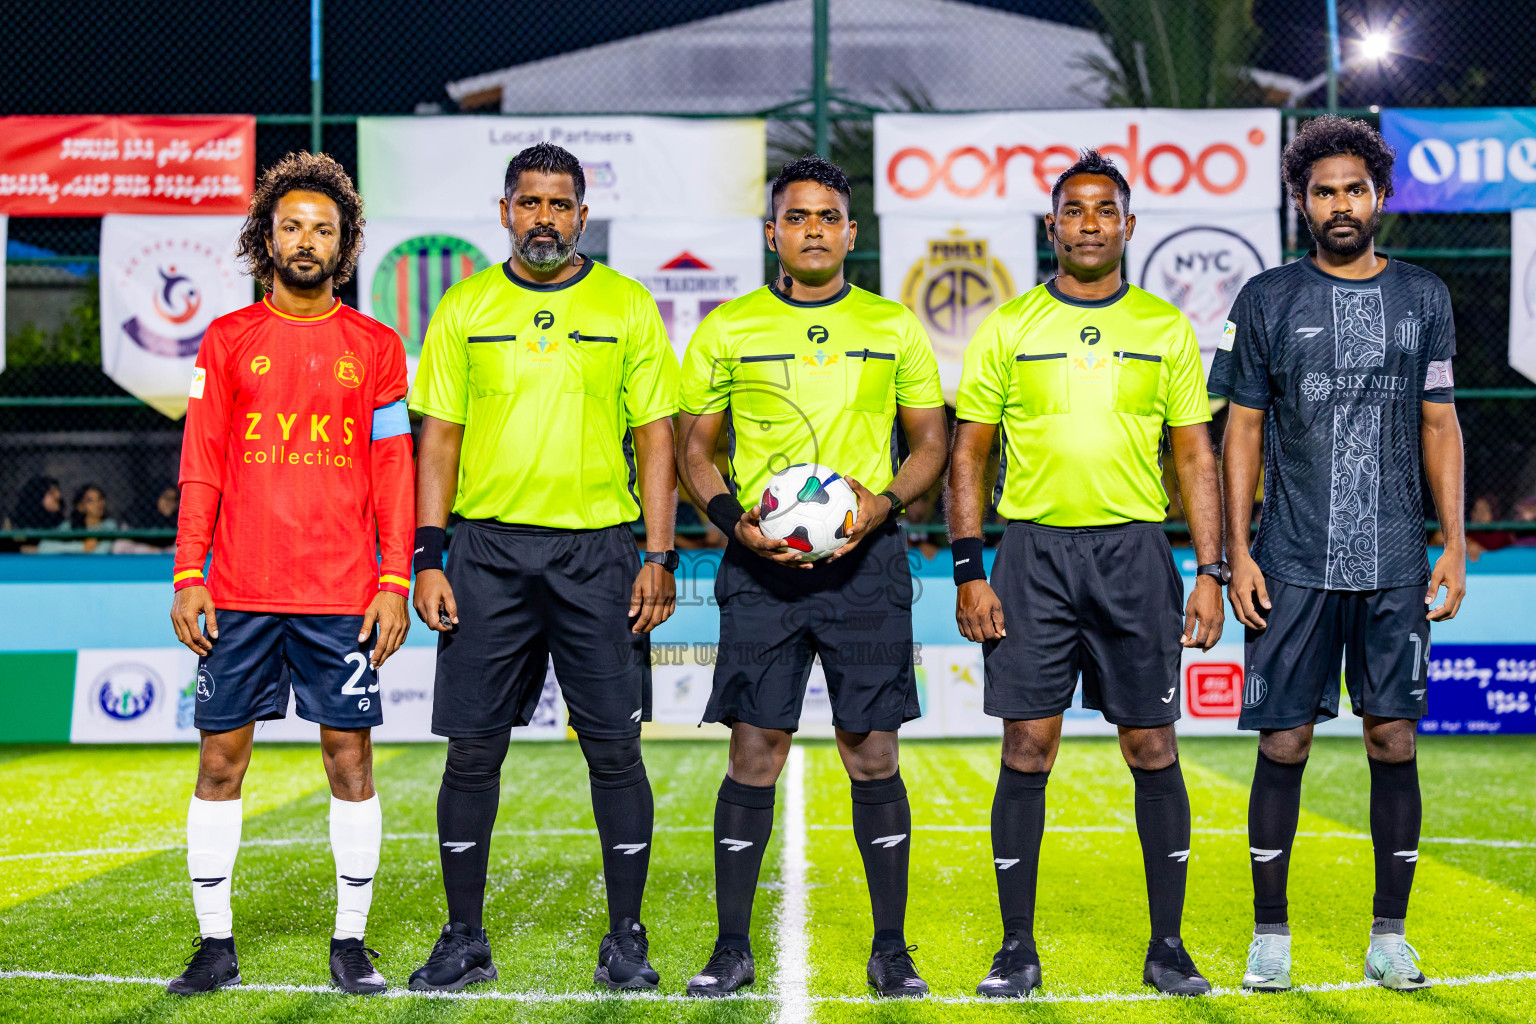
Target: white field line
{"type": "Point", "coordinates": [793, 946]}
{"type": "Point", "coordinates": [1503, 844]}
{"type": "Point", "coordinates": [804, 1001]}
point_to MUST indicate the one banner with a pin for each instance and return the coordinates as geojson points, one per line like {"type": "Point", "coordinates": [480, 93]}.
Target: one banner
{"type": "Point", "coordinates": [89, 166]}
{"type": "Point", "coordinates": [407, 265]}
{"type": "Point", "coordinates": [163, 280]}
{"type": "Point", "coordinates": [690, 266]}
{"type": "Point", "coordinates": [1479, 158]}
{"type": "Point", "coordinates": [952, 272]}
{"type": "Point", "coordinates": [987, 164]}
{"type": "Point", "coordinates": [453, 168]}
{"type": "Point", "coordinates": [1522, 292]}
{"type": "Point", "coordinates": [1200, 262]}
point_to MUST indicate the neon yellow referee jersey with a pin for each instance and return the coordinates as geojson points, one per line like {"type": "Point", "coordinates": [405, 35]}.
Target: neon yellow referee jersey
{"type": "Point", "coordinates": [547, 381]}
{"type": "Point", "coordinates": [810, 382]}
{"type": "Point", "coordinates": [1082, 390]}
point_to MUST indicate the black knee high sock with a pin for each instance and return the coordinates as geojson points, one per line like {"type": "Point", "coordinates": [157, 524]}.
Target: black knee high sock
{"type": "Point", "coordinates": [1396, 814]}
{"type": "Point", "coordinates": [1018, 824]}
{"type": "Point", "coordinates": [743, 823]}
{"type": "Point", "coordinates": [1162, 822]}
{"type": "Point", "coordinates": [466, 813]}
{"type": "Point", "coordinates": [882, 827]}
{"type": "Point", "coordinates": [625, 813]}
{"type": "Point", "coordinates": [1274, 806]}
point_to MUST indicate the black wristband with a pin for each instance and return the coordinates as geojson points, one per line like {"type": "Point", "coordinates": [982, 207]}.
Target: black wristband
{"type": "Point", "coordinates": [967, 555]}
{"type": "Point", "coordinates": [430, 541]}
{"type": "Point", "coordinates": [725, 512]}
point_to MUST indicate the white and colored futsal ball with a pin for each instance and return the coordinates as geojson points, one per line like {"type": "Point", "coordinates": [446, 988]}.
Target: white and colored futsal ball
{"type": "Point", "coordinates": [810, 508]}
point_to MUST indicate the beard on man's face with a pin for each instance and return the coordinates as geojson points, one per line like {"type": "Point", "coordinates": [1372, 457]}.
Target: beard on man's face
{"type": "Point", "coordinates": [317, 274]}
{"type": "Point", "coordinates": [545, 248]}
{"type": "Point", "coordinates": [1350, 244]}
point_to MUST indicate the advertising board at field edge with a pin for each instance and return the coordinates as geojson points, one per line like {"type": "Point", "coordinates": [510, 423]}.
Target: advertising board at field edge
{"type": "Point", "coordinates": [1522, 292]}
{"type": "Point", "coordinates": [982, 164]}
{"type": "Point", "coordinates": [87, 166]}
{"type": "Point", "coordinates": [1459, 160]}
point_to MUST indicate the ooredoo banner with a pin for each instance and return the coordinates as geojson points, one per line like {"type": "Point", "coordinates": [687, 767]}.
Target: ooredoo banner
{"type": "Point", "coordinates": [1479, 158]}
{"type": "Point", "coordinates": [408, 264]}
{"type": "Point", "coordinates": [453, 167]}
{"type": "Point", "coordinates": [89, 166]}
{"type": "Point", "coordinates": [1522, 292]}
{"type": "Point", "coordinates": [985, 164]}
{"type": "Point", "coordinates": [163, 281]}
{"type": "Point", "coordinates": [952, 272]}
{"type": "Point", "coordinates": [1200, 262]}
{"type": "Point", "coordinates": [689, 266]}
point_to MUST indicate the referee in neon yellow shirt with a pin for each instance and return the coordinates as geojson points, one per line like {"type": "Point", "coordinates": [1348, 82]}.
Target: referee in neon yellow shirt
{"type": "Point", "coordinates": [547, 386]}
{"type": "Point", "coordinates": [1083, 374]}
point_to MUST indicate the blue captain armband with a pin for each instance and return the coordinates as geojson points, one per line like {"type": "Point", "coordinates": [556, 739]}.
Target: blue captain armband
{"type": "Point", "coordinates": [391, 421]}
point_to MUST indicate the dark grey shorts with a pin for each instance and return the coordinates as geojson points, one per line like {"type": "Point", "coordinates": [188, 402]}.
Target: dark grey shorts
{"type": "Point", "coordinates": [527, 594]}
{"type": "Point", "coordinates": [1104, 602]}
{"type": "Point", "coordinates": [855, 613]}
{"type": "Point", "coordinates": [1291, 670]}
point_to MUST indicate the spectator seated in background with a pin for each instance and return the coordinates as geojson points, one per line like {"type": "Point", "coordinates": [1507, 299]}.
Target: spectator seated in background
{"type": "Point", "coordinates": [158, 513]}
{"type": "Point", "coordinates": [1485, 509]}
{"type": "Point", "coordinates": [88, 512]}
{"type": "Point", "coordinates": [1525, 512]}
{"type": "Point", "coordinates": [39, 506]}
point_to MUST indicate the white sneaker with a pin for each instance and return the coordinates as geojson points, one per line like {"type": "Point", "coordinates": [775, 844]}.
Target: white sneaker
{"type": "Point", "coordinates": [1269, 963]}
{"type": "Point", "coordinates": [1391, 963]}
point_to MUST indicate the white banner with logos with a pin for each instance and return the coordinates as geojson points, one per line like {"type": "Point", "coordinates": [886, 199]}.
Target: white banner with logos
{"type": "Point", "coordinates": [452, 168]}
{"type": "Point", "coordinates": [163, 280]}
{"type": "Point", "coordinates": [1199, 262]}
{"type": "Point", "coordinates": [690, 266]}
{"type": "Point", "coordinates": [409, 263]}
{"type": "Point", "coordinates": [952, 272]}
{"type": "Point", "coordinates": [1522, 292]}
{"type": "Point", "coordinates": [988, 164]}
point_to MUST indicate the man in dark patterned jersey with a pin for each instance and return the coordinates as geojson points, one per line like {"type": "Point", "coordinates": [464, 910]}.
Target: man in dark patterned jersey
{"type": "Point", "coordinates": [1339, 370]}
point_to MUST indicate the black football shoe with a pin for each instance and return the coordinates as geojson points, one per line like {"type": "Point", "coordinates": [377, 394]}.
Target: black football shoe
{"type": "Point", "coordinates": [212, 966]}
{"type": "Point", "coordinates": [462, 956]}
{"type": "Point", "coordinates": [621, 959]}
{"type": "Point", "coordinates": [1015, 971]}
{"type": "Point", "coordinates": [352, 968]}
{"type": "Point", "coordinates": [893, 974]}
{"type": "Point", "coordinates": [729, 969]}
{"type": "Point", "coordinates": [1170, 970]}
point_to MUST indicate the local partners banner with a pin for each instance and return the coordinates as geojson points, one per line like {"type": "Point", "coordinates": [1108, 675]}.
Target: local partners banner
{"type": "Point", "coordinates": [409, 263]}
{"type": "Point", "coordinates": [952, 272]}
{"type": "Point", "coordinates": [986, 164]}
{"type": "Point", "coordinates": [690, 266]}
{"type": "Point", "coordinates": [454, 167]}
{"type": "Point", "coordinates": [1199, 262]}
{"type": "Point", "coordinates": [1522, 292]}
{"type": "Point", "coordinates": [163, 280]}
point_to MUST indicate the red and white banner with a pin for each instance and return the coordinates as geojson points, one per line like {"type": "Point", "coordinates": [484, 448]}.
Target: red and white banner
{"type": "Point", "coordinates": [90, 166]}
{"type": "Point", "coordinates": [980, 164]}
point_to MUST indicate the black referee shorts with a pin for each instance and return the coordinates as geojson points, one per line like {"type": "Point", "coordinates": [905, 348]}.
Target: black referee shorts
{"type": "Point", "coordinates": [1103, 601]}
{"type": "Point", "coordinates": [529, 593]}
{"type": "Point", "coordinates": [856, 613]}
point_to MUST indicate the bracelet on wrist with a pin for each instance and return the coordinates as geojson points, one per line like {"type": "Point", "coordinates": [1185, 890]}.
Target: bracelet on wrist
{"type": "Point", "coordinates": [725, 512]}
{"type": "Point", "coordinates": [430, 542]}
{"type": "Point", "coordinates": [966, 552]}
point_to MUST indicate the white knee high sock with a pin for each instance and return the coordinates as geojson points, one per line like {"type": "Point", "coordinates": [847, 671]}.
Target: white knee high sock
{"type": "Point", "coordinates": [213, 840]}
{"type": "Point", "coordinates": [357, 831]}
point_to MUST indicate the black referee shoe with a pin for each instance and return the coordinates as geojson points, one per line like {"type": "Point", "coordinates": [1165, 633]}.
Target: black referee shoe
{"type": "Point", "coordinates": [1015, 971]}
{"type": "Point", "coordinates": [729, 969]}
{"type": "Point", "coordinates": [622, 959]}
{"type": "Point", "coordinates": [462, 956]}
{"type": "Point", "coordinates": [893, 974]}
{"type": "Point", "coordinates": [1170, 970]}
{"type": "Point", "coordinates": [352, 968]}
{"type": "Point", "coordinates": [213, 966]}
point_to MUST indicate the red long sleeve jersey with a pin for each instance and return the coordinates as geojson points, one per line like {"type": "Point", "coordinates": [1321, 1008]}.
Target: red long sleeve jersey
{"type": "Point", "coordinates": [296, 463]}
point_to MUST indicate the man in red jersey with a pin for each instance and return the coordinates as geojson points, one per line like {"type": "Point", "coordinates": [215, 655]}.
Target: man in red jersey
{"type": "Point", "coordinates": [296, 465]}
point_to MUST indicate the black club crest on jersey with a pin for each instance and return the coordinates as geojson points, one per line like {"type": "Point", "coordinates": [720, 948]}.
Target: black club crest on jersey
{"type": "Point", "coordinates": [544, 319]}
{"type": "Point", "coordinates": [1089, 336]}
{"type": "Point", "coordinates": [817, 334]}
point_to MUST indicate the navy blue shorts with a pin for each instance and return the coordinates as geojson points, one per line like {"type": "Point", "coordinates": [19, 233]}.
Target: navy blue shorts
{"type": "Point", "coordinates": [259, 657]}
{"type": "Point", "coordinates": [1292, 673]}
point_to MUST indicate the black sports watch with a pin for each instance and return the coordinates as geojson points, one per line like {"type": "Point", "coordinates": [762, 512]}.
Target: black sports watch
{"type": "Point", "coordinates": [897, 508]}
{"type": "Point", "coordinates": [666, 559]}
{"type": "Point", "coordinates": [1221, 572]}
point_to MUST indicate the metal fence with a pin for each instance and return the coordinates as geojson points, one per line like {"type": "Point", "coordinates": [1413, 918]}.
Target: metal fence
{"type": "Point", "coordinates": [817, 69]}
